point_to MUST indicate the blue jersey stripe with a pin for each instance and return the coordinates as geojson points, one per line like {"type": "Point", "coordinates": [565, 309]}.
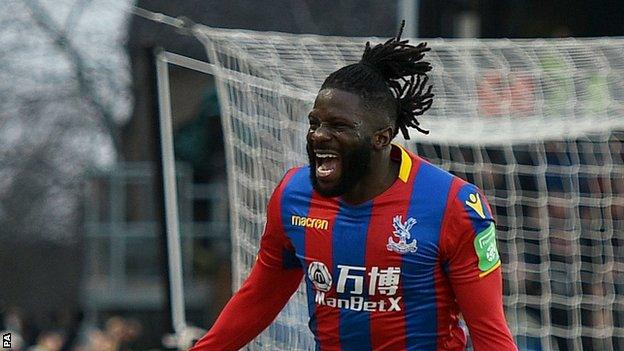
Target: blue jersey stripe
{"type": "Point", "coordinates": [296, 201]}
{"type": "Point", "coordinates": [349, 245]}
{"type": "Point", "coordinates": [427, 206]}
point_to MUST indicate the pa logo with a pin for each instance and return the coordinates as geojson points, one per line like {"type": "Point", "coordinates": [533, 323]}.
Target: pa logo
{"type": "Point", "coordinates": [320, 277]}
{"type": "Point", "coordinates": [6, 341]}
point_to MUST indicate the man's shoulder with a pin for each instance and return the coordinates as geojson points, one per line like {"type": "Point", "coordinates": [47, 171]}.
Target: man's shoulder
{"type": "Point", "coordinates": [459, 187]}
{"type": "Point", "coordinates": [437, 173]}
{"type": "Point", "coordinates": [295, 181]}
{"type": "Point", "coordinates": [463, 195]}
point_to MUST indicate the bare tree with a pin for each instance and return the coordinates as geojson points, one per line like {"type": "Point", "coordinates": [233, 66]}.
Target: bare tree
{"type": "Point", "coordinates": [65, 92]}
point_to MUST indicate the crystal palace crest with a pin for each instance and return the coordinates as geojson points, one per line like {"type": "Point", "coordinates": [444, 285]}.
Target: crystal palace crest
{"type": "Point", "coordinates": [402, 231]}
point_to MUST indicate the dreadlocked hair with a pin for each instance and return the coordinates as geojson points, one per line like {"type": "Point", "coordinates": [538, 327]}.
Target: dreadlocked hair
{"type": "Point", "coordinates": [391, 77]}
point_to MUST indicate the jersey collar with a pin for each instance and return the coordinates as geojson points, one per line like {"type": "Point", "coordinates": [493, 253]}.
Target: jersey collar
{"type": "Point", "coordinates": [406, 161]}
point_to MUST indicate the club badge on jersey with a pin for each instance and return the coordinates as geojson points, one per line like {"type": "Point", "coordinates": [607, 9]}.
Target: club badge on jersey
{"type": "Point", "coordinates": [402, 231]}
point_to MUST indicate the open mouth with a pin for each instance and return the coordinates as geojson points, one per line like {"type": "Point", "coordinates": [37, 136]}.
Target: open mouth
{"type": "Point", "coordinates": [327, 165]}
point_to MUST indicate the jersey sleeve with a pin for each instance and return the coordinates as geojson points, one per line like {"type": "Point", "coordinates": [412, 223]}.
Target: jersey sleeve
{"type": "Point", "coordinates": [472, 264]}
{"type": "Point", "coordinates": [276, 250]}
{"type": "Point", "coordinates": [273, 279]}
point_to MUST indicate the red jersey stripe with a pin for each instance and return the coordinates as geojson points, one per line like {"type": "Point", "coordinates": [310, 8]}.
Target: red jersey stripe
{"type": "Point", "coordinates": [320, 242]}
{"type": "Point", "coordinates": [387, 322]}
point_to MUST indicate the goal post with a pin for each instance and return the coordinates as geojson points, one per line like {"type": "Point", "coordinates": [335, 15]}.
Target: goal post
{"type": "Point", "coordinates": [536, 124]}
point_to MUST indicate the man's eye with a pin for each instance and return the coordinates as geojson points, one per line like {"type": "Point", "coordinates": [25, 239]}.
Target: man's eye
{"type": "Point", "coordinates": [342, 126]}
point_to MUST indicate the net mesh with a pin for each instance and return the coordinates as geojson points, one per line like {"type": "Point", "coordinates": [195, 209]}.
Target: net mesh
{"type": "Point", "coordinates": [536, 124]}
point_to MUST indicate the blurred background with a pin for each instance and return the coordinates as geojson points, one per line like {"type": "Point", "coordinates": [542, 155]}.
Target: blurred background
{"type": "Point", "coordinates": [82, 250]}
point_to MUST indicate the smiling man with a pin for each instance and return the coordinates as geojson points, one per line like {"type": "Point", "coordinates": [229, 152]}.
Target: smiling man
{"type": "Point", "coordinates": [392, 248]}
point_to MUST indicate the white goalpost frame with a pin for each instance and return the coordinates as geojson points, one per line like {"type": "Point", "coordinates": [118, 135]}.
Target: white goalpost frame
{"type": "Point", "coordinates": [174, 251]}
{"type": "Point", "coordinates": [228, 80]}
{"type": "Point", "coordinates": [163, 58]}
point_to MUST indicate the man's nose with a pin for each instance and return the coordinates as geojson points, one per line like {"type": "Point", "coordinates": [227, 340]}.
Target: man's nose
{"type": "Point", "coordinates": [321, 134]}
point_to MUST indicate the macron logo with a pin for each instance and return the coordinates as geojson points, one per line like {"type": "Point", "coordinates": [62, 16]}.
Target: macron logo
{"type": "Point", "coordinates": [309, 222]}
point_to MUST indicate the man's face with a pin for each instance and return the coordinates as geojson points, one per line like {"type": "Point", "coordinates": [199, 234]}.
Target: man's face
{"type": "Point", "coordinates": [338, 142]}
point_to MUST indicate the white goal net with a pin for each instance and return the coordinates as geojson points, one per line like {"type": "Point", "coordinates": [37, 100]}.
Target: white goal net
{"type": "Point", "coordinates": [536, 124]}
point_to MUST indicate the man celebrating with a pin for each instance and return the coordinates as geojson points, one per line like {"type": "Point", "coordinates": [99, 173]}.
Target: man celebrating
{"type": "Point", "coordinates": [392, 248]}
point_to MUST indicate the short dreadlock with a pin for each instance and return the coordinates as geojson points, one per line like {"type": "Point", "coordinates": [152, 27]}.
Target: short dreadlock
{"type": "Point", "coordinates": [390, 76]}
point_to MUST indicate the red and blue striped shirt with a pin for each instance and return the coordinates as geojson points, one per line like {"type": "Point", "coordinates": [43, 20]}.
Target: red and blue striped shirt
{"type": "Point", "coordinates": [392, 273]}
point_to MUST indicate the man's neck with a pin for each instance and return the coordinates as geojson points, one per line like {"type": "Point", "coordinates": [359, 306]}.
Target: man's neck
{"type": "Point", "coordinates": [382, 174]}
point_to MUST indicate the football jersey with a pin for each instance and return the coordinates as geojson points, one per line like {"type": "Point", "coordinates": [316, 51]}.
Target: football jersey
{"type": "Point", "coordinates": [392, 273]}
{"type": "Point", "coordinates": [379, 275]}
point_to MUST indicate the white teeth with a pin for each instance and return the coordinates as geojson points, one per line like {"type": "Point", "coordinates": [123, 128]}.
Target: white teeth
{"type": "Point", "coordinates": [324, 172]}
{"type": "Point", "coordinates": [326, 155]}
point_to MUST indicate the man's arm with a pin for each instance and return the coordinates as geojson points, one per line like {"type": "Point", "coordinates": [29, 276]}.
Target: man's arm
{"type": "Point", "coordinates": [273, 279]}
{"type": "Point", "coordinates": [474, 269]}
{"type": "Point", "coordinates": [251, 309]}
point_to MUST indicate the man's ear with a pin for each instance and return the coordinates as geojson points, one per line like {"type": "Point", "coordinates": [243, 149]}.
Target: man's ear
{"type": "Point", "coordinates": [382, 138]}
